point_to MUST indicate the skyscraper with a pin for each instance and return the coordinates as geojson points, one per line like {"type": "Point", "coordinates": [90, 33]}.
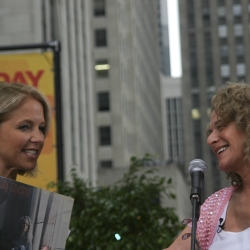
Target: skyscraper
{"type": "Point", "coordinates": [126, 72]}
{"type": "Point", "coordinates": [214, 45]}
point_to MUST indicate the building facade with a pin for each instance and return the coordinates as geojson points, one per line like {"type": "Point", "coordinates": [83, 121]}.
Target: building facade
{"type": "Point", "coordinates": [126, 73]}
{"type": "Point", "coordinates": [110, 73]}
{"type": "Point", "coordinates": [214, 46]}
{"type": "Point", "coordinates": [34, 22]}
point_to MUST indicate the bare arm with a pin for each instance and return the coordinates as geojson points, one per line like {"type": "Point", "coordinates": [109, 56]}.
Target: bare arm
{"type": "Point", "coordinates": [180, 244]}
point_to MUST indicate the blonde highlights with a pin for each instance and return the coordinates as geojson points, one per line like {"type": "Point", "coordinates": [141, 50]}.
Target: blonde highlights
{"type": "Point", "coordinates": [232, 104]}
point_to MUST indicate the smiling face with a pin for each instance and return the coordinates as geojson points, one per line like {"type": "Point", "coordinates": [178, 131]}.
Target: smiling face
{"type": "Point", "coordinates": [226, 143]}
{"type": "Point", "coordinates": [22, 138]}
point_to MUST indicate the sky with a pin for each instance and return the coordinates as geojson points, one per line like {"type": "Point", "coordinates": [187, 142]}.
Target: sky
{"type": "Point", "coordinates": [174, 35]}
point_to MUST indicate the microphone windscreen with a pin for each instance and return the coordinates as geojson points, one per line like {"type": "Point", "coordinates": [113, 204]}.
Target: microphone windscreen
{"type": "Point", "coordinates": [197, 165]}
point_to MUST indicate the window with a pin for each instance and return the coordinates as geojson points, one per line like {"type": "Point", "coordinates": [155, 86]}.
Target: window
{"type": "Point", "coordinates": [106, 164]}
{"type": "Point", "coordinates": [197, 138]}
{"type": "Point", "coordinates": [195, 101]}
{"type": "Point", "coordinates": [239, 40]}
{"type": "Point", "coordinates": [103, 101]}
{"type": "Point", "coordinates": [207, 39]}
{"type": "Point", "coordinates": [223, 41]}
{"type": "Point", "coordinates": [240, 59]}
{"type": "Point", "coordinates": [237, 19]}
{"type": "Point", "coordinates": [225, 70]}
{"type": "Point", "coordinates": [191, 40]}
{"type": "Point", "coordinates": [99, 8]}
{"type": "Point", "coordinates": [242, 78]}
{"type": "Point", "coordinates": [221, 3]}
{"type": "Point", "coordinates": [224, 80]}
{"type": "Point", "coordinates": [223, 50]}
{"type": "Point", "coordinates": [224, 60]}
{"type": "Point", "coordinates": [237, 10]}
{"type": "Point", "coordinates": [221, 10]}
{"type": "Point", "coordinates": [239, 50]}
{"type": "Point", "coordinates": [191, 20]}
{"type": "Point", "coordinates": [105, 135]}
{"type": "Point", "coordinates": [194, 77]}
{"type": "Point", "coordinates": [206, 20]}
{"type": "Point", "coordinates": [240, 69]}
{"type": "Point", "coordinates": [100, 38]}
{"type": "Point", "coordinates": [222, 20]}
{"type": "Point", "coordinates": [238, 30]}
{"type": "Point", "coordinates": [102, 68]}
{"type": "Point", "coordinates": [222, 31]}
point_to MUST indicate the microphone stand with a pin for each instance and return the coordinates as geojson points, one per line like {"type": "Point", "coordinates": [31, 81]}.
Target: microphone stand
{"type": "Point", "coordinates": [195, 199]}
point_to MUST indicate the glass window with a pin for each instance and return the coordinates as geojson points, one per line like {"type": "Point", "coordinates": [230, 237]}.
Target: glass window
{"type": "Point", "coordinates": [238, 30]}
{"type": "Point", "coordinates": [191, 22]}
{"type": "Point", "coordinates": [239, 49]}
{"type": "Point", "coordinates": [221, 2]}
{"type": "Point", "coordinates": [240, 59]}
{"type": "Point", "coordinates": [207, 39]}
{"type": "Point", "coordinates": [195, 100]}
{"type": "Point", "coordinates": [105, 164]}
{"type": "Point", "coordinates": [197, 138]}
{"type": "Point", "coordinates": [103, 101]}
{"type": "Point", "coordinates": [105, 135]}
{"type": "Point", "coordinates": [225, 70]}
{"type": "Point", "coordinates": [191, 40]}
{"type": "Point", "coordinates": [99, 7]}
{"type": "Point", "coordinates": [224, 79]}
{"type": "Point", "coordinates": [237, 19]}
{"type": "Point", "coordinates": [237, 10]}
{"type": "Point", "coordinates": [221, 10]}
{"type": "Point", "coordinates": [192, 58]}
{"type": "Point", "coordinates": [222, 31]}
{"type": "Point", "coordinates": [206, 20]}
{"type": "Point", "coordinates": [100, 38]}
{"type": "Point", "coordinates": [222, 20]}
{"type": "Point", "coordinates": [102, 68]}
{"type": "Point", "coordinates": [240, 69]}
{"type": "Point", "coordinates": [223, 50]}
{"type": "Point", "coordinates": [239, 40]}
{"type": "Point", "coordinates": [242, 78]}
{"type": "Point", "coordinates": [223, 41]}
{"type": "Point", "coordinates": [210, 80]}
{"type": "Point", "coordinates": [224, 60]}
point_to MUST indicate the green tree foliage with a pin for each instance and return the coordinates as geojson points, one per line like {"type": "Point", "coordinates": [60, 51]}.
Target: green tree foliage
{"type": "Point", "coordinates": [127, 215]}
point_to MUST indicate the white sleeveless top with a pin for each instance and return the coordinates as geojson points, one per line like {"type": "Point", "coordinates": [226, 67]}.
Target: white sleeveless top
{"type": "Point", "coordinates": [230, 240]}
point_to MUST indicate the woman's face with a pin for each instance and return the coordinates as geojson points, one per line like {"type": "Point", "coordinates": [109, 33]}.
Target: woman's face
{"type": "Point", "coordinates": [226, 143]}
{"type": "Point", "coordinates": [22, 138]}
{"type": "Point", "coordinates": [25, 225]}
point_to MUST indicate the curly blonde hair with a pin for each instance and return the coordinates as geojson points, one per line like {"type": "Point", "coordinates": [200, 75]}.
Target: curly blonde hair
{"type": "Point", "coordinates": [232, 104]}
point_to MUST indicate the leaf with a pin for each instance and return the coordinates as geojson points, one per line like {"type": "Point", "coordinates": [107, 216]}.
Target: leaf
{"type": "Point", "coordinates": [130, 207]}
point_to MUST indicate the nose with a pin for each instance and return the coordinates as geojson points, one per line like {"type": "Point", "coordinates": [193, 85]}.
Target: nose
{"type": "Point", "coordinates": [37, 136]}
{"type": "Point", "coordinates": [212, 138]}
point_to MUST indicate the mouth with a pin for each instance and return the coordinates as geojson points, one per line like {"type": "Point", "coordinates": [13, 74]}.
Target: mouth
{"type": "Point", "coordinates": [31, 153]}
{"type": "Point", "coordinates": [221, 150]}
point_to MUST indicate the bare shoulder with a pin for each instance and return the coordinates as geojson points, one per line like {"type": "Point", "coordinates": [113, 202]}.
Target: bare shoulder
{"type": "Point", "coordinates": [179, 243]}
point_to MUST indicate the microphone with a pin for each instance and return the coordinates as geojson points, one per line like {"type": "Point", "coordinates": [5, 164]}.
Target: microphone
{"type": "Point", "coordinates": [197, 169]}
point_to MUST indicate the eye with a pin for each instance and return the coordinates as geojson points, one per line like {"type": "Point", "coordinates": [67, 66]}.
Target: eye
{"type": "Point", "coordinates": [219, 127]}
{"type": "Point", "coordinates": [42, 129]}
{"type": "Point", "coordinates": [24, 127]}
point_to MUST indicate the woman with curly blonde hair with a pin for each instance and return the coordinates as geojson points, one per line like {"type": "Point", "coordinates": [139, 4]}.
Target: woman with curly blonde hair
{"type": "Point", "coordinates": [224, 221]}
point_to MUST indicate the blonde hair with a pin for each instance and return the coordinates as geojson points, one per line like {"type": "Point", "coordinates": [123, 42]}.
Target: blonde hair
{"type": "Point", "coordinates": [232, 104]}
{"type": "Point", "coordinates": [12, 95]}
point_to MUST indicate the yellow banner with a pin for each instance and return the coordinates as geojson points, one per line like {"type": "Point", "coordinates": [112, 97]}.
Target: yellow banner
{"type": "Point", "coordinates": [35, 69]}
